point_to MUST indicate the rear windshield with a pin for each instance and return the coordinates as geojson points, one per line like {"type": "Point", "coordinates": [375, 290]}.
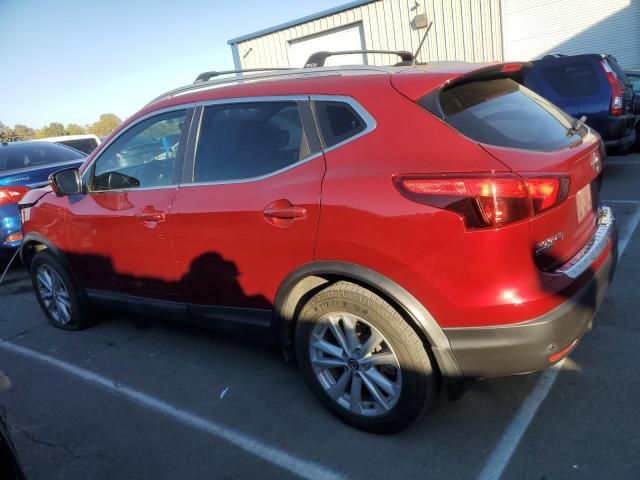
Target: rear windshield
{"type": "Point", "coordinates": [14, 156]}
{"type": "Point", "coordinates": [504, 113]}
{"type": "Point", "coordinates": [575, 80]}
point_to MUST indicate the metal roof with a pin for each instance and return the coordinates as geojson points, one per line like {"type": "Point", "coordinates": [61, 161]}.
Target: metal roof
{"type": "Point", "coordinates": [293, 23]}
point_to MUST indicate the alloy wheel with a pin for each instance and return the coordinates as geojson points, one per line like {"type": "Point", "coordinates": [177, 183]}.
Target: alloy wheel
{"type": "Point", "coordinates": [355, 364]}
{"type": "Point", "coordinates": [54, 294]}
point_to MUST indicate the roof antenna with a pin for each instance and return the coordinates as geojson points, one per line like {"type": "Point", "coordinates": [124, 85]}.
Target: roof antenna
{"type": "Point", "coordinates": [424, 37]}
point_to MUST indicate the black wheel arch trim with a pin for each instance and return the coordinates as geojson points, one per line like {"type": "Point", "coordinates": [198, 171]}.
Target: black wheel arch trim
{"type": "Point", "coordinates": [284, 312]}
{"type": "Point", "coordinates": [34, 237]}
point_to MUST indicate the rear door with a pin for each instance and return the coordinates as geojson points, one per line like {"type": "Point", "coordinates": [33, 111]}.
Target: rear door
{"type": "Point", "coordinates": [250, 214]}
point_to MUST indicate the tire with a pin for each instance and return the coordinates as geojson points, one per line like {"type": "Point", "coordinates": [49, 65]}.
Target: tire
{"type": "Point", "coordinates": [68, 312]}
{"type": "Point", "coordinates": [384, 405]}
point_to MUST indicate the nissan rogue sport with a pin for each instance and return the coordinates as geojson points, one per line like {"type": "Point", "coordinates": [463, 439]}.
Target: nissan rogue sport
{"type": "Point", "coordinates": [397, 229]}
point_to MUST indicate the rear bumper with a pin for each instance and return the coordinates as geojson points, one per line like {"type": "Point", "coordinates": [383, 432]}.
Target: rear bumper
{"type": "Point", "coordinates": [484, 352]}
{"type": "Point", "coordinates": [621, 133]}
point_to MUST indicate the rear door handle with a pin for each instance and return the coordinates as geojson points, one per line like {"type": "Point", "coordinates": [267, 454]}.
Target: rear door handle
{"type": "Point", "coordinates": [283, 212]}
{"type": "Point", "coordinates": [150, 214]}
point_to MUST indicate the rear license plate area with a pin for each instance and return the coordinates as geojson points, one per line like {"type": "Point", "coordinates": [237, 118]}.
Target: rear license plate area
{"type": "Point", "coordinates": [584, 202]}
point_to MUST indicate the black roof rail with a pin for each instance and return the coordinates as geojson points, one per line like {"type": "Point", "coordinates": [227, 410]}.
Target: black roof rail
{"type": "Point", "coordinates": [317, 59]}
{"type": "Point", "coordinates": [205, 76]}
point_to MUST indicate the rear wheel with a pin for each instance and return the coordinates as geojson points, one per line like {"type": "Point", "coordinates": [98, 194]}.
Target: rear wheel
{"type": "Point", "coordinates": [57, 293]}
{"type": "Point", "coordinates": [363, 360]}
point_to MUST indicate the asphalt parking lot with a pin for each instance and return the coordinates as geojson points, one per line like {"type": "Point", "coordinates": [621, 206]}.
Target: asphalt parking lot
{"type": "Point", "coordinates": [134, 398]}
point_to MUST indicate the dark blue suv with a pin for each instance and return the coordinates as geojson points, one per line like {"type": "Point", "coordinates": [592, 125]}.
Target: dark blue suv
{"type": "Point", "coordinates": [592, 85]}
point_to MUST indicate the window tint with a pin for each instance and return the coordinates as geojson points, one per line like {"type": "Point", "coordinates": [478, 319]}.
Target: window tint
{"type": "Point", "coordinates": [338, 122]}
{"type": "Point", "coordinates": [246, 140]}
{"type": "Point", "coordinates": [144, 156]}
{"type": "Point", "coordinates": [86, 145]}
{"type": "Point", "coordinates": [504, 113]}
{"type": "Point", "coordinates": [575, 80]}
{"type": "Point", "coordinates": [14, 156]}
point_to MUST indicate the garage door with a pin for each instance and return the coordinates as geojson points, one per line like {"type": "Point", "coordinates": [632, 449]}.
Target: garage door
{"type": "Point", "coordinates": [534, 28]}
{"type": "Point", "coordinates": [349, 38]}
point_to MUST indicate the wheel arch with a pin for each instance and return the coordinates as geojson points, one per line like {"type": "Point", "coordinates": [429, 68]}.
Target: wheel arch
{"type": "Point", "coordinates": [33, 243]}
{"type": "Point", "coordinates": [307, 280]}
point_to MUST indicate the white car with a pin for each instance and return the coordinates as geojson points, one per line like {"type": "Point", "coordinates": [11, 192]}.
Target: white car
{"type": "Point", "coordinates": [85, 143]}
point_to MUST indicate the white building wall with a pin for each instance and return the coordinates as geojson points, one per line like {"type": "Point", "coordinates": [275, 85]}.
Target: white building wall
{"type": "Point", "coordinates": [534, 28]}
{"type": "Point", "coordinates": [467, 30]}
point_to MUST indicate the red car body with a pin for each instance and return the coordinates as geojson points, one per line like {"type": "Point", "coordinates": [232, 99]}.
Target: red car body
{"type": "Point", "coordinates": [249, 252]}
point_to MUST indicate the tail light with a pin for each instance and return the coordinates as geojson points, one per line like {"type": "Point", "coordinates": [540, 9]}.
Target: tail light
{"type": "Point", "coordinates": [616, 90]}
{"type": "Point", "coordinates": [486, 200]}
{"type": "Point", "coordinates": [11, 194]}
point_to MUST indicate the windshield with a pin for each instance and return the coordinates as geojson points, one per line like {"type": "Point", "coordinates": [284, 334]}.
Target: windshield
{"type": "Point", "coordinates": [16, 156]}
{"type": "Point", "coordinates": [504, 113]}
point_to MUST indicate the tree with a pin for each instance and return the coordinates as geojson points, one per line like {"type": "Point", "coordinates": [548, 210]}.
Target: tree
{"type": "Point", "coordinates": [74, 129]}
{"type": "Point", "coordinates": [54, 129]}
{"type": "Point", "coordinates": [6, 133]}
{"type": "Point", "coordinates": [22, 132]}
{"type": "Point", "coordinates": [106, 124]}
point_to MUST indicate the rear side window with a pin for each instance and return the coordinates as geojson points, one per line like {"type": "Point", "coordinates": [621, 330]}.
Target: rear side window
{"type": "Point", "coordinates": [338, 122]}
{"type": "Point", "coordinates": [575, 80]}
{"type": "Point", "coordinates": [16, 156]}
{"type": "Point", "coordinates": [86, 145]}
{"type": "Point", "coordinates": [248, 140]}
{"type": "Point", "coordinates": [504, 113]}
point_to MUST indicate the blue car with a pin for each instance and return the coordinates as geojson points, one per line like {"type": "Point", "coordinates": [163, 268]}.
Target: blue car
{"type": "Point", "coordinates": [26, 165]}
{"type": "Point", "coordinates": [592, 85]}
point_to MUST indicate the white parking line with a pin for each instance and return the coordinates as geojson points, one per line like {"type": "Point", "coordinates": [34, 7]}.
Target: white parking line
{"type": "Point", "coordinates": [253, 446]}
{"type": "Point", "coordinates": [502, 453]}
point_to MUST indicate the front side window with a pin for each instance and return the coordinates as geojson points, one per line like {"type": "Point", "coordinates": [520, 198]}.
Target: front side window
{"type": "Point", "coordinates": [247, 140]}
{"type": "Point", "coordinates": [144, 156]}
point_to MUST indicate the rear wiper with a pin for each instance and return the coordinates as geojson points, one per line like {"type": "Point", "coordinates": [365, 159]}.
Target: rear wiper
{"type": "Point", "coordinates": [577, 125]}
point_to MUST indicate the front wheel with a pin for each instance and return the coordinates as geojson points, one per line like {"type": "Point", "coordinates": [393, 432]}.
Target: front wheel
{"type": "Point", "coordinates": [363, 360]}
{"type": "Point", "coordinates": [57, 293]}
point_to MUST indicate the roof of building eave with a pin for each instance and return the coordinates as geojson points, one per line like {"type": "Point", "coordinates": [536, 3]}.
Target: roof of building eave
{"type": "Point", "coordinates": [293, 23]}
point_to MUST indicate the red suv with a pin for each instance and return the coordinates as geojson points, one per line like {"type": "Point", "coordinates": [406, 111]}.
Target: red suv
{"type": "Point", "coordinates": [398, 229]}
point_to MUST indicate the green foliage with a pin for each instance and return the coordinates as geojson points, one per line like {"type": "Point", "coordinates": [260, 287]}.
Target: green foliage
{"type": "Point", "coordinates": [107, 123]}
{"type": "Point", "coordinates": [103, 126]}
{"type": "Point", "coordinates": [6, 134]}
{"type": "Point", "coordinates": [75, 129]}
{"type": "Point", "coordinates": [54, 129]}
{"type": "Point", "coordinates": [22, 132]}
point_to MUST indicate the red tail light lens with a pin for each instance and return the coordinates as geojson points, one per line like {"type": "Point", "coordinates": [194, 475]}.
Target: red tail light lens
{"type": "Point", "coordinates": [485, 200]}
{"type": "Point", "coordinates": [616, 90]}
{"type": "Point", "coordinates": [547, 192]}
{"type": "Point", "coordinates": [12, 194]}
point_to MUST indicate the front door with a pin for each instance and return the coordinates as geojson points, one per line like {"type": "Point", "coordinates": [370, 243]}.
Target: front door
{"type": "Point", "coordinates": [251, 214]}
{"type": "Point", "coordinates": [120, 231]}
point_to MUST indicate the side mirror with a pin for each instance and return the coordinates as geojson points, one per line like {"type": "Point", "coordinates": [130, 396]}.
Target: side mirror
{"type": "Point", "coordinates": [66, 182]}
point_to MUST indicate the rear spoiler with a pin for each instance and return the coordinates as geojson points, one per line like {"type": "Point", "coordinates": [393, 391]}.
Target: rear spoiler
{"type": "Point", "coordinates": [425, 85]}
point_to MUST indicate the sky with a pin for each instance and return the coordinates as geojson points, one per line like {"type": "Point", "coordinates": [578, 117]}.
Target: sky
{"type": "Point", "coordinates": [69, 61]}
